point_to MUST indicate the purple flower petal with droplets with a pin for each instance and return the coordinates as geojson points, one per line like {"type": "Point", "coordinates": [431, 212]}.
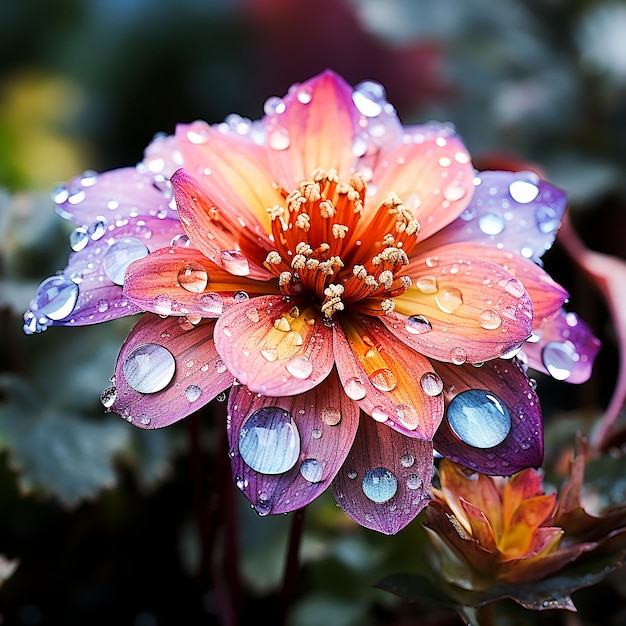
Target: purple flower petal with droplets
{"type": "Point", "coordinates": [515, 210]}
{"type": "Point", "coordinates": [385, 480]}
{"type": "Point", "coordinates": [285, 451]}
{"type": "Point", "coordinates": [492, 419]}
{"type": "Point", "coordinates": [167, 369]}
{"type": "Point", "coordinates": [564, 348]}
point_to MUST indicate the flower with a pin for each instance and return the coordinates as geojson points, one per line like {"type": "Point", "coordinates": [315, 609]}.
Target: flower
{"type": "Point", "coordinates": [355, 285]}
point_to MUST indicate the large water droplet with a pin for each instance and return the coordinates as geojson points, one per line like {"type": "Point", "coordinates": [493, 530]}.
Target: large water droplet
{"type": "Point", "coordinates": [311, 470]}
{"type": "Point", "coordinates": [234, 262]}
{"type": "Point", "coordinates": [331, 416]}
{"type": "Point", "coordinates": [120, 255]}
{"type": "Point", "coordinates": [479, 418]}
{"type": "Point", "coordinates": [278, 138]}
{"type": "Point", "coordinates": [455, 191]}
{"type": "Point", "coordinates": [269, 442]}
{"type": "Point", "coordinates": [413, 481]}
{"type": "Point", "coordinates": [427, 284]}
{"type": "Point", "coordinates": [489, 319]}
{"type": "Point", "coordinates": [79, 238]}
{"type": "Point", "coordinates": [192, 393]}
{"type": "Point", "coordinates": [369, 98]}
{"type": "Point", "coordinates": [56, 297]}
{"type": "Point", "coordinates": [491, 223]}
{"type": "Point", "coordinates": [380, 484]}
{"type": "Point", "coordinates": [148, 368]}
{"type": "Point", "coordinates": [449, 299]}
{"type": "Point", "coordinates": [417, 325]}
{"type": "Point", "coordinates": [458, 355]}
{"type": "Point", "coordinates": [559, 358]}
{"type": "Point", "coordinates": [407, 460]}
{"type": "Point", "coordinates": [193, 277]}
{"type": "Point", "coordinates": [108, 397]}
{"type": "Point", "coordinates": [299, 366]}
{"type": "Point", "coordinates": [431, 383]}
{"type": "Point", "coordinates": [515, 287]}
{"type": "Point", "coordinates": [384, 379]}
{"type": "Point", "coordinates": [523, 191]}
{"type": "Point", "coordinates": [408, 416]}
{"type": "Point", "coordinates": [354, 388]}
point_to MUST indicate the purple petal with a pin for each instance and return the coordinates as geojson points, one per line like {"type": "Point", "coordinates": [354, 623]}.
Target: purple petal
{"type": "Point", "coordinates": [285, 451]}
{"type": "Point", "coordinates": [564, 348]}
{"type": "Point", "coordinates": [166, 370]}
{"type": "Point", "coordinates": [493, 418]}
{"type": "Point", "coordinates": [385, 480]}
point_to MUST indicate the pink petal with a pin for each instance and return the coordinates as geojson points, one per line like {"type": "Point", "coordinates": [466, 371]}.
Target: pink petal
{"type": "Point", "coordinates": [493, 418]}
{"type": "Point", "coordinates": [385, 480]}
{"type": "Point", "coordinates": [563, 347]}
{"type": "Point", "coordinates": [390, 382]}
{"type": "Point", "coordinates": [431, 173]}
{"type": "Point", "coordinates": [461, 308]}
{"type": "Point", "coordinates": [275, 346]}
{"type": "Point", "coordinates": [212, 230]}
{"type": "Point", "coordinates": [166, 370]}
{"type": "Point", "coordinates": [182, 281]}
{"type": "Point", "coordinates": [285, 451]}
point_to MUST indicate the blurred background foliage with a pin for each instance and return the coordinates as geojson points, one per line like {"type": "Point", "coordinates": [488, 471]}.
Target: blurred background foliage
{"type": "Point", "coordinates": [102, 523]}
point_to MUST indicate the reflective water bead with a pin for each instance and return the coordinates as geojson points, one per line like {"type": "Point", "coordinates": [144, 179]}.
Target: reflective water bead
{"type": "Point", "coordinates": [515, 287]}
{"type": "Point", "coordinates": [548, 221]}
{"type": "Point", "coordinates": [235, 262]}
{"type": "Point", "coordinates": [98, 228]}
{"type": "Point", "coordinates": [491, 223]}
{"type": "Point", "coordinates": [79, 239]}
{"type": "Point", "coordinates": [479, 418]}
{"type": "Point", "coordinates": [278, 138]}
{"type": "Point", "coordinates": [269, 354]}
{"type": "Point", "coordinates": [417, 325]}
{"type": "Point", "coordinates": [380, 485]}
{"type": "Point", "coordinates": [369, 98]}
{"type": "Point", "coordinates": [489, 319]}
{"type": "Point", "coordinates": [108, 397]}
{"type": "Point", "coordinates": [379, 413]}
{"type": "Point", "coordinates": [192, 393]}
{"type": "Point", "coordinates": [431, 383]}
{"type": "Point", "coordinates": [523, 191]}
{"type": "Point", "coordinates": [407, 460]}
{"type": "Point", "coordinates": [427, 284]}
{"type": "Point", "coordinates": [211, 302]}
{"type": "Point", "coordinates": [559, 358]}
{"type": "Point", "coordinates": [193, 277]}
{"type": "Point", "coordinates": [253, 314]}
{"type": "Point", "coordinates": [413, 481]}
{"type": "Point", "coordinates": [408, 416]}
{"type": "Point", "coordinates": [311, 470]}
{"type": "Point", "coordinates": [269, 442]}
{"type": "Point", "coordinates": [454, 191]}
{"type": "Point", "coordinates": [299, 366]}
{"type": "Point", "coordinates": [354, 388]}
{"type": "Point", "coordinates": [331, 416]}
{"type": "Point", "coordinates": [149, 368]}
{"type": "Point", "coordinates": [384, 379]}
{"type": "Point", "coordinates": [120, 255]}
{"type": "Point", "coordinates": [458, 355]}
{"type": "Point", "coordinates": [56, 297]}
{"type": "Point", "coordinates": [449, 299]}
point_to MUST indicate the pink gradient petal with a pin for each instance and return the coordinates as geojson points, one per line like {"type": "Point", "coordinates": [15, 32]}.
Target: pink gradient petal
{"type": "Point", "coordinates": [461, 308]}
{"type": "Point", "coordinates": [182, 281]}
{"type": "Point", "coordinates": [388, 380]}
{"type": "Point", "coordinates": [490, 393]}
{"type": "Point", "coordinates": [313, 127]}
{"type": "Point", "coordinates": [296, 444]}
{"type": "Point", "coordinates": [166, 370]}
{"type": "Point", "coordinates": [393, 470]}
{"type": "Point", "coordinates": [431, 173]}
{"type": "Point", "coordinates": [515, 211]}
{"type": "Point", "coordinates": [216, 232]}
{"type": "Point", "coordinates": [275, 346]}
{"type": "Point", "coordinates": [563, 347]}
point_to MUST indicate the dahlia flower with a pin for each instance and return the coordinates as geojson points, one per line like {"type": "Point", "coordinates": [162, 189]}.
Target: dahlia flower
{"type": "Point", "coordinates": [354, 285]}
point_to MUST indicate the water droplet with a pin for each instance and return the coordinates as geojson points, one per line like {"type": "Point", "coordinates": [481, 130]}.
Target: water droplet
{"type": "Point", "coordinates": [269, 354]}
{"type": "Point", "coordinates": [79, 239]}
{"type": "Point", "coordinates": [220, 366]}
{"type": "Point", "coordinates": [192, 393]}
{"type": "Point", "coordinates": [211, 303]}
{"type": "Point", "coordinates": [369, 98]}
{"type": "Point", "coordinates": [253, 314]}
{"type": "Point", "coordinates": [449, 299]}
{"type": "Point", "coordinates": [458, 356]}
{"type": "Point", "coordinates": [407, 460]}
{"type": "Point", "coordinates": [234, 262]}
{"type": "Point", "coordinates": [56, 297]}
{"type": "Point", "coordinates": [331, 416]}
{"type": "Point", "coordinates": [193, 277]}
{"type": "Point", "coordinates": [269, 442]}
{"type": "Point", "coordinates": [299, 366]}
{"type": "Point", "coordinates": [547, 220]}
{"type": "Point", "coordinates": [380, 484]}
{"type": "Point", "coordinates": [103, 305]}
{"type": "Point", "coordinates": [479, 418]}
{"type": "Point", "coordinates": [489, 319]}
{"type": "Point", "coordinates": [427, 284]}
{"type": "Point", "coordinates": [431, 383]}
{"type": "Point", "coordinates": [108, 397]}
{"type": "Point", "coordinates": [149, 368]}
{"type": "Point", "coordinates": [98, 228]}
{"type": "Point", "coordinates": [559, 358]}
{"type": "Point", "coordinates": [384, 379]}
{"type": "Point", "coordinates": [454, 191]}
{"type": "Point", "coordinates": [408, 416]}
{"type": "Point", "coordinates": [278, 138]}
{"type": "Point", "coordinates": [354, 388]}
{"type": "Point", "coordinates": [120, 255]}
{"type": "Point", "coordinates": [282, 324]}
{"type": "Point", "coordinates": [515, 287]}
{"type": "Point", "coordinates": [311, 470]}
{"type": "Point", "coordinates": [316, 433]}
{"type": "Point", "coordinates": [351, 474]}
{"type": "Point", "coordinates": [417, 325]}
{"type": "Point", "coordinates": [413, 481]}
{"type": "Point", "coordinates": [491, 223]}
{"type": "Point", "coordinates": [523, 191]}
{"type": "Point", "coordinates": [241, 296]}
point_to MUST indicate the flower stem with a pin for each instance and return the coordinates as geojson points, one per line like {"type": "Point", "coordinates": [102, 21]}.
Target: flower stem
{"type": "Point", "coordinates": [290, 578]}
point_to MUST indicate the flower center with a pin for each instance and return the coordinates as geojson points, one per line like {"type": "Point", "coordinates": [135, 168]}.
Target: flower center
{"type": "Point", "coordinates": [318, 252]}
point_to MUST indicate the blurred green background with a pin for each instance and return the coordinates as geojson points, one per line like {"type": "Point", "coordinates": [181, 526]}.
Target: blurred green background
{"type": "Point", "coordinates": [114, 525]}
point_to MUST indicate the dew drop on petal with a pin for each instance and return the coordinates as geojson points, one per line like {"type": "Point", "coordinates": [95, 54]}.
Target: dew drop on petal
{"type": "Point", "coordinates": [383, 379]}
{"type": "Point", "coordinates": [379, 413]}
{"type": "Point", "coordinates": [108, 397]}
{"type": "Point", "coordinates": [311, 470]}
{"type": "Point", "coordinates": [278, 138]}
{"type": "Point", "coordinates": [515, 287]}
{"type": "Point", "coordinates": [408, 416]}
{"type": "Point", "coordinates": [269, 441]}
{"type": "Point", "coordinates": [489, 319]}
{"type": "Point", "coordinates": [449, 299]}
{"type": "Point", "coordinates": [120, 255]}
{"type": "Point", "coordinates": [458, 355]}
{"type": "Point", "coordinates": [454, 191]}
{"type": "Point", "coordinates": [559, 358]}
{"type": "Point", "coordinates": [331, 416]}
{"type": "Point", "coordinates": [192, 393]}
{"type": "Point", "coordinates": [523, 191]}
{"type": "Point", "coordinates": [220, 366]}
{"type": "Point", "coordinates": [431, 383]}
{"type": "Point", "coordinates": [253, 314]}
{"type": "Point", "coordinates": [79, 238]}
{"type": "Point", "coordinates": [407, 460]}
{"type": "Point", "coordinates": [491, 223]}
{"type": "Point", "coordinates": [234, 262]}
{"type": "Point", "coordinates": [211, 303]}
{"type": "Point", "coordinates": [351, 474]}
{"type": "Point", "coordinates": [149, 368]}
{"type": "Point", "coordinates": [269, 354]}
{"type": "Point", "coordinates": [56, 297]}
{"type": "Point", "coordinates": [427, 284]}
{"type": "Point", "coordinates": [548, 221]}
{"type": "Point", "coordinates": [369, 98]}
{"type": "Point", "coordinates": [299, 366]}
{"type": "Point", "coordinates": [413, 481]}
{"type": "Point", "coordinates": [354, 388]}
{"type": "Point", "coordinates": [479, 418]}
{"type": "Point", "coordinates": [417, 325]}
{"type": "Point", "coordinates": [193, 277]}
{"type": "Point", "coordinates": [380, 484]}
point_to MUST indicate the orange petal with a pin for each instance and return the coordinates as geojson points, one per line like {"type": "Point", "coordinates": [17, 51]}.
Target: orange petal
{"type": "Point", "coordinates": [390, 381]}
{"type": "Point", "coordinates": [521, 486]}
{"type": "Point", "coordinates": [479, 524]}
{"type": "Point", "coordinates": [273, 346]}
